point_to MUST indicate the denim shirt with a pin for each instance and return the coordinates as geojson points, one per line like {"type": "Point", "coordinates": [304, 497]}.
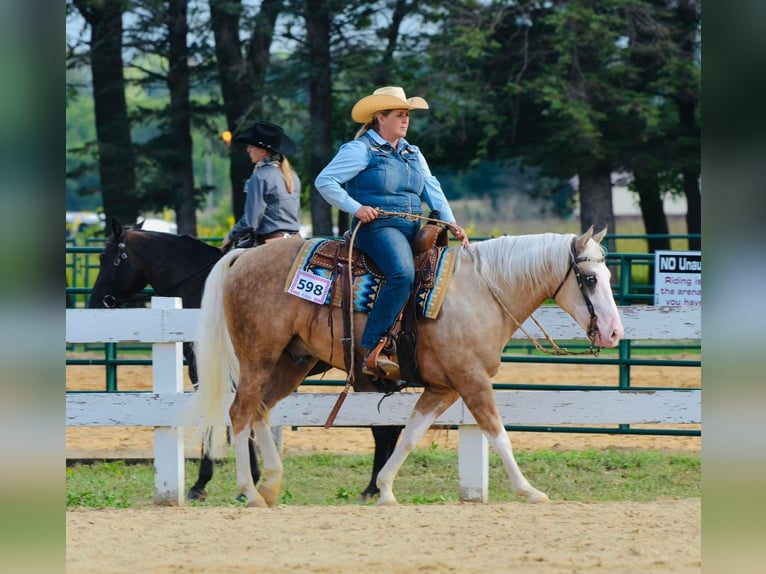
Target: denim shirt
{"type": "Point", "coordinates": [369, 171]}
{"type": "Point", "coordinates": [268, 205]}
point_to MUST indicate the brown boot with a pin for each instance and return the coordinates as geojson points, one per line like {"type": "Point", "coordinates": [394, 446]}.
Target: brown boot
{"type": "Point", "coordinates": [379, 365]}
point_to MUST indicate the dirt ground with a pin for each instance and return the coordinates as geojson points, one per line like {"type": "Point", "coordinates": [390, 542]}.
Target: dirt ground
{"type": "Point", "coordinates": [662, 536]}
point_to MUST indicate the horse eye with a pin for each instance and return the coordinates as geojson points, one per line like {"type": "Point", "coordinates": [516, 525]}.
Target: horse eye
{"type": "Point", "coordinates": [591, 280]}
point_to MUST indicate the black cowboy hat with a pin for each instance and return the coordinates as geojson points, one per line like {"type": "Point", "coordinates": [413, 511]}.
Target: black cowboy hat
{"type": "Point", "coordinates": [267, 136]}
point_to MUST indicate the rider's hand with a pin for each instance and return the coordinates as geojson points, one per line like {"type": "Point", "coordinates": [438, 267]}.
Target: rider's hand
{"type": "Point", "coordinates": [459, 234]}
{"type": "Point", "coordinates": [365, 214]}
{"type": "Point", "coordinates": [226, 244]}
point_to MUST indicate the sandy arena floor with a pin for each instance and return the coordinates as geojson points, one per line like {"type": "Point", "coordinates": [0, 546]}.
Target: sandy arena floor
{"type": "Point", "coordinates": [662, 536]}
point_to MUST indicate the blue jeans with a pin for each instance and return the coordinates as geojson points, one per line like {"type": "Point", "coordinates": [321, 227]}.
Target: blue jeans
{"type": "Point", "coordinates": [387, 241]}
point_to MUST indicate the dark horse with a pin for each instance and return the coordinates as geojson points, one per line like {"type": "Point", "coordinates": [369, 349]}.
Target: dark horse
{"type": "Point", "coordinates": [177, 266]}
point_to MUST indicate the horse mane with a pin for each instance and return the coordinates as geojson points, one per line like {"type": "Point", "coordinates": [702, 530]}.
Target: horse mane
{"type": "Point", "coordinates": [531, 259]}
{"type": "Point", "coordinates": [184, 240]}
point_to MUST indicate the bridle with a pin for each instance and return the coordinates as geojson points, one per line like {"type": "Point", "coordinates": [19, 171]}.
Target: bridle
{"type": "Point", "coordinates": [592, 325]}
{"type": "Point", "coordinates": [574, 267]}
{"type": "Point", "coordinates": [110, 301]}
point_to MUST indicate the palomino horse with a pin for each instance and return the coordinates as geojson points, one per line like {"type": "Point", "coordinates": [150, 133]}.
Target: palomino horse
{"type": "Point", "coordinates": [177, 266]}
{"type": "Point", "coordinates": [252, 330]}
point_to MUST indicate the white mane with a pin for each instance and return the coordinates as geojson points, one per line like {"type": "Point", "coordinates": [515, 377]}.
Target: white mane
{"type": "Point", "coordinates": [526, 260]}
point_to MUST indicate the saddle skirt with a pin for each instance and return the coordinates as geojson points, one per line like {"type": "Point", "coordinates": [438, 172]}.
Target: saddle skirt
{"type": "Point", "coordinates": [326, 257]}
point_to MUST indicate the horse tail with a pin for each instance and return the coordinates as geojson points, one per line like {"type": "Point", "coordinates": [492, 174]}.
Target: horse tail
{"type": "Point", "coordinates": [217, 363]}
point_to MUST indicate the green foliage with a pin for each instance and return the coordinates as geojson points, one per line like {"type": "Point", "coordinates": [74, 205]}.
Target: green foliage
{"type": "Point", "coordinates": [554, 83]}
{"type": "Point", "coordinates": [429, 476]}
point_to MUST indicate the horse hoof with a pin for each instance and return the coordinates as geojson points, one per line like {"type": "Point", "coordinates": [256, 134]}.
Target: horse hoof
{"type": "Point", "coordinates": [198, 495]}
{"type": "Point", "coordinates": [270, 495]}
{"type": "Point", "coordinates": [389, 502]}
{"type": "Point", "coordinates": [257, 504]}
{"type": "Point", "coordinates": [538, 498]}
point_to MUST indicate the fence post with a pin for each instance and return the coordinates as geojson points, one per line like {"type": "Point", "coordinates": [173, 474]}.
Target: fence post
{"type": "Point", "coordinates": [167, 375]}
{"type": "Point", "coordinates": [473, 464]}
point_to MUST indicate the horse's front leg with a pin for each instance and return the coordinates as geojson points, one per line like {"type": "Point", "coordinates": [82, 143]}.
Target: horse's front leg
{"type": "Point", "coordinates": [481, 402]}
{"type": "Point", "coordinates": [429, 406]}
{"type": "Point", "coordinates": [385, 442]}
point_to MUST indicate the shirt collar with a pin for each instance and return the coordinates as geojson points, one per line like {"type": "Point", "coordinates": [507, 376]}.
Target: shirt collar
{"type": "Point", "coordinates": [273, 159]}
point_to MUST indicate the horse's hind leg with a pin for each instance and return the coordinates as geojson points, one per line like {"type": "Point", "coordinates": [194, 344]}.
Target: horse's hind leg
{"type": "Point", "coordinates": [205, 474]}
{"type": "Point", "coordinates": [286, 377]}
{"type": "Point", "coordinates": [258, 391]}
{"type": "Point", "coordinates": [271, 478]}
{"type": "Point", "coordinates": [481, 403]}
{"type": "Point", "coordinates": [429, 406]}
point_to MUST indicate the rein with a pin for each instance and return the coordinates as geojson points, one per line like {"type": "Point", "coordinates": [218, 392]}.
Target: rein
{"type": "Point", "coordinates": [350, 341]}
{"type": "Point", "coordinates": [415, 217]}
{"type": "Point", "coordinates": [573, 266]}
{"type": "Point", "coordinates": [593, 325]}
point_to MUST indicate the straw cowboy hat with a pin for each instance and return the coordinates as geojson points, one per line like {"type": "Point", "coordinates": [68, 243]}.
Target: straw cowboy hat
{"type": "Point", "coordinates": [387, 98]}
{"type": "Point", "coordinates": [268, 136]}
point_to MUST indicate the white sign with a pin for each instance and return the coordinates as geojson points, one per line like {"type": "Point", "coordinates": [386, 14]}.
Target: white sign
{"type": "Point", "coordinates": [309, 286]}
{"type": "Point", "coordinates": [677, 278]}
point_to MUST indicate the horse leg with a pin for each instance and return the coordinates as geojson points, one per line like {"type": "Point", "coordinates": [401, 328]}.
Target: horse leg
{"type": "Point", "coordinates": [429, 406]}
{"type": "Point", "coordinates": [191, 362]}
{"type": "Point", "coordinates": [481, 402]}
{"type": "Point", "coordinates": [286, 377]}
{"type": "Point", "coordinates": [271, 479]}
{"type": "Point", "coordinates": [205, 474]}
{"type": "Point", "coordinates": [243, 412]}
{"type": "Point", "coordinates": [250, 411]}
{"type": "Point", "coordinates": [385, 441]}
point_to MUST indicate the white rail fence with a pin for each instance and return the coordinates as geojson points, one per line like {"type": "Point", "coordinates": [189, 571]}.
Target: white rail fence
{"type": "Point", "coordinates": [166, 325]}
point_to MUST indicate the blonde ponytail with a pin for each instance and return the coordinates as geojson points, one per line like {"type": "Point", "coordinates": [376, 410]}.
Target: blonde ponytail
{"type": "Point", "coordinates": [287, 173]}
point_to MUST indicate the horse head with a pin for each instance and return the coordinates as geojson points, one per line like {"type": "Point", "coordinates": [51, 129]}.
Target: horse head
{"type": "Point", "coordinates": [118, 276]}
{"type": "Point", "coordinates": [586, 292]}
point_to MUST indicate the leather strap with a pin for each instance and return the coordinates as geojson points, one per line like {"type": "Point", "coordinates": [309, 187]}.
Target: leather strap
{"type": "Point", "coordinates": [260, 239]}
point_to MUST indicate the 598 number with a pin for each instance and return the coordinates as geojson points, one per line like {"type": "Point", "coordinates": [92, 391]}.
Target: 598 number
{"type": "Point", "coordinates": [308, 286]}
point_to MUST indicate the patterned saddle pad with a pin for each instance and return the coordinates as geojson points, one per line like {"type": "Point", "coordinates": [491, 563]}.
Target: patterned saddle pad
{"type": "Point", "coordinates": [322, 256]}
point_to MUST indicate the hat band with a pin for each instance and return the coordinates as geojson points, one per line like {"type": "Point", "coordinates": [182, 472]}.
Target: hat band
{"type": "Point", "coordinates": [264, 145]}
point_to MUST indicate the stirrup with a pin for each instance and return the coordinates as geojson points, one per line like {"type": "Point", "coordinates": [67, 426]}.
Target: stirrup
{"type": "Point", "coordinates": [381, 366]}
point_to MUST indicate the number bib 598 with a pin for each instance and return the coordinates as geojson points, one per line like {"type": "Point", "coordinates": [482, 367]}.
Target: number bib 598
{"type": "Point", "coordinates": [309, 286]}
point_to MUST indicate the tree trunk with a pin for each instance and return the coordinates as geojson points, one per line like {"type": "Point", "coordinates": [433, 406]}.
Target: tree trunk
{"type": "Point", "coordinates": [652, 210]}
{"type": "Point", "coordinates": [181, 168]}
{"type": "Point", "coordinates": [689, 13]}
{"type": "Point", "coordinates": [234, 78]}
{"type": "Point", "coordinates": [241, 79]}
{"type": "Point", "coordinates": [382, 73]}
{"type": "Point", "coordinates": [690, 177]}
{"type": "Point", "coordinates": [319, 138]}
{"type": "Point", "coordinates": [596, 198]}
{"type": "Point", "coordinates": [693, 208]}
{"type": "Point", "coordinates": [116, 159]}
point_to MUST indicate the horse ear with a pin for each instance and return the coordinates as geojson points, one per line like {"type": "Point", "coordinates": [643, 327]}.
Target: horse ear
{"type": "Point", "coordinates": [599, 237]}
{"type": "Point", "coordinates": [139, 224]}
{"type": "Point", "coordinates": [116, 227]}
{"type": "Point", "coordinates": [582, 240]}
